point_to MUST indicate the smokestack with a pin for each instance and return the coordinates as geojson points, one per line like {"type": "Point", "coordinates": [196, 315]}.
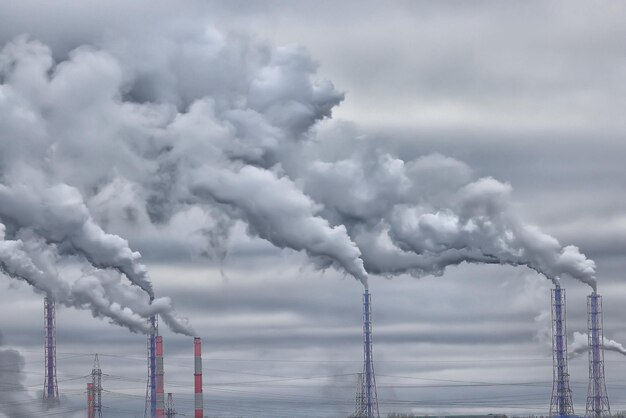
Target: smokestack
{"type": "Point", "coordinates": [50, 387]}
{"type": "Point", "coordinates": [197, 375]}
{"type": "Point", "coordinates": [90, 411]}
{"type": "Point", "coordinates": [561, 402]}
{"type": "Point", "coordinates": [160, 394]}
{"type": "Point", "coordinates": [367, 398]}
{"type": "Point", "coordinates": [597, 397]}
{"type": "Point", "coordinates": [150, 408]}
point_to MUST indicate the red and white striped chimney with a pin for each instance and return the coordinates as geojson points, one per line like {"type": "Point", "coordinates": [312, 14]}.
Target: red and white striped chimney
{"type": "Point", "coordinates": [90, 411]}
{"type": "Point", "coordinates": [197, 374]}
{"type": "Point", "coordinates": [160, 393]}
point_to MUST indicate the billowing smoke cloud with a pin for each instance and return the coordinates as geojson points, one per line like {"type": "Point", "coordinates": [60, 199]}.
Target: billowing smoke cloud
{"type": "Point", "coordinates": [193, 118]}
{"type": "Point", "coordinates": [580, 345]}
{"type": "Point", "coordinates": [282, 214]}
{"type": "Point", "coordinates": [59, 215]}
{"type": "Point", "coordinates": [421, 216]}
{"type": "Point", "coordinates": [282, 103]}
{"type": "Point", "coordinates": [28, 257]}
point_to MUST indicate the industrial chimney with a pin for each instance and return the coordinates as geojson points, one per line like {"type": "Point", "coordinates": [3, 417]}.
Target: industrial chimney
{"type": "Point", "coordinates": [160, 392]}
{"type": "Point", "coordinates": [50, 387]}
{"type": "Point", "coordinates": [561, 402]}
{"type": "Point", "coordinates": [367, 398]}
{"type": "Point", "coordinates": [597, 398]}
{"type": "Point", "coordinates": [90, 411]}
{"type": "Point", "coordinates": [150, 407]}
{"type": "Point", "coordinates": [197, 376]}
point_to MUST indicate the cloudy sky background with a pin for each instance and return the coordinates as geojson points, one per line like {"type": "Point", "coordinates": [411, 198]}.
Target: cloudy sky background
{"type": "Point", "coordinates": [529, 93]}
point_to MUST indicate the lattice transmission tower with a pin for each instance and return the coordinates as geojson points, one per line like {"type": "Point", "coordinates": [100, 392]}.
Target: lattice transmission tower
{"type": "Point", "coordinates": [170, 411]}
{"type": "Point", "coordinates": [96, 388]}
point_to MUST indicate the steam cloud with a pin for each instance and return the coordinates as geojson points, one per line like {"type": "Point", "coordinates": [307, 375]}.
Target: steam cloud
{"type": "Point", "coordinates": [114, 134]}
{"type": "Point", "coordinates": [421, 216]}
{"type": "Point", "coordinates": [29, 258]}
{"type": "Point", "coordinates": [580, 345]}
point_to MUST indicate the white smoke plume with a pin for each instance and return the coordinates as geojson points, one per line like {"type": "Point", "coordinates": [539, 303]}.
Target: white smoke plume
{"type": "Point", "coordinates": [29, 258]}
{"type": "Point", "coordinates": [190, 117]}
{"type": "Point", "coordinates": [282, 103]}
{"type": "Point", "coordinates": [580, 345]}
{"type": "Point", "coordinates": [282, 214]}
{"type": "Point", "coordinates": [421, 216]}
{"type": "Point", "coordinates": [59, 215]}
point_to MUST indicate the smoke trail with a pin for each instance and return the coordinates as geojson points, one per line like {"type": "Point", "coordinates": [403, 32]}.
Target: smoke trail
{"type": "Point", "coordinates": [30, 259]}
{"type": "Point", "coordinates": [282, 214]}
{"type": "Point", "coordinates": [580, 345]}
{"type": "Point", "coordinates": [613, 345]}
{"type": "Point", "coordinates": [59, 214]}
{"type": "Point", "coordinates": [282, 103]}
{"type": "Point", "coordinates": [238, 137]}
{"type": "Point", "coordinates": [421, 216]}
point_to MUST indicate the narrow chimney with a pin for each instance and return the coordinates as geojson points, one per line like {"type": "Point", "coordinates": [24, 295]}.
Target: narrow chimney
{"type": "Point", "coordinates": [90, 410]}
{"type": "Point", "coordinates": [160, 393]}
{"type": "Point", "coordinates": [197, 374]}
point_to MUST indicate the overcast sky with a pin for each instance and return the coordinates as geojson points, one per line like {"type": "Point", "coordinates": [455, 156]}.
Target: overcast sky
{"type": "Point", "coordinates": [529, 93]}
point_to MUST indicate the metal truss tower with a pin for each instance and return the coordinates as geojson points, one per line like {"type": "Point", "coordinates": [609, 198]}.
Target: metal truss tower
{"type": "Point", "coordinates": [561, 402]}
{"type": "Point", "coordinates": [367, 397]}
{"type": "Point", "coordinates": [96, 389]}
{"type": "Point", "coordinates": [170, 411]}
{"type": "Point", "coordinates": [359, 409]}
{"type": "Point", "coordinates": [50, 387]}
{"type": "Point", "coordinates": [597, 398]}
{"type": "Point", "coordinates": [151, 398]}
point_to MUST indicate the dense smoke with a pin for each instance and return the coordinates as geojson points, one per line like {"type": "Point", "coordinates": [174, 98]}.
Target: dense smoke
{"type": "Point", "coordinates": [423, 215]}
{"type": "Point", "coordinates": [580, 345]}
{"type": "Point", "coordinates": [59, 215]}
{"type": "Point", "coordinates": [30, 258]}
{"type": "Point", "coordinates": [116, 136]}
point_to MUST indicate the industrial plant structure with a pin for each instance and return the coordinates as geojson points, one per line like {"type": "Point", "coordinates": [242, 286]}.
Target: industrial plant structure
{"type": "Point", "coordinates": [367, 397]}
{"type": "Point", "coordinates": [597, 398]}
{"type": "Point", "coordinates": [170, 411]}
{"type": "Point", "coordinates": [90, 400]}
{"type": "Point", "coordinates": [150, 406]}
{"type": "Point", "coordinates": [50, 386]}
{"type": "Point", "coordinates": [160, 387]}
{"type": "Point", "coordinates": [156, 405]}
{"type": "Point", "coordinates": [197, 378]}
{"type": "Point", "coordinates": [366, 400]}
{"type": "Point", "coordinates": [94, 391]}
{"type": "Point", "coordinates": [561, 402]}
